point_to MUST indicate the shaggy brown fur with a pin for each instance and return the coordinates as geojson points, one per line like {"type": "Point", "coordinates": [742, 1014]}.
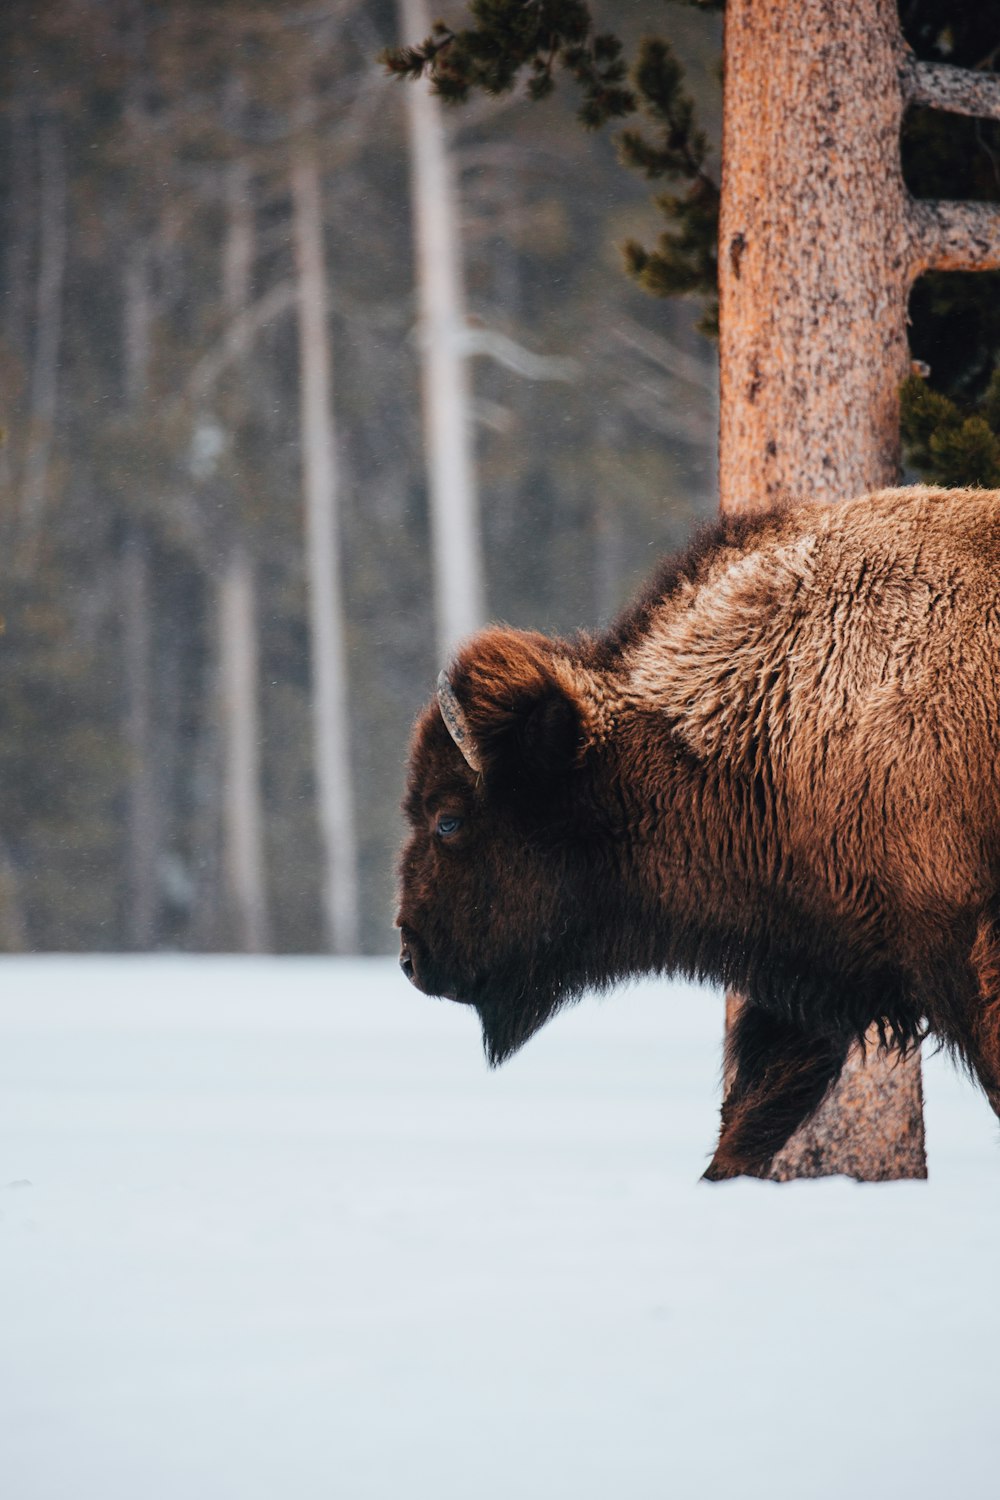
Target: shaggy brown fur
{"type": "Point", "coordinates": [780, 770]}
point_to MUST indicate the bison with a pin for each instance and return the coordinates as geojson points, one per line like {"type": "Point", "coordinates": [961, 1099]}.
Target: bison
{"type": "Point", "coordinates": [779, 770]}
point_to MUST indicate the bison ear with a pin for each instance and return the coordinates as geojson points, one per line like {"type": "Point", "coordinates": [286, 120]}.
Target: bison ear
{"type": "Point", "coordinates": [506, 708]}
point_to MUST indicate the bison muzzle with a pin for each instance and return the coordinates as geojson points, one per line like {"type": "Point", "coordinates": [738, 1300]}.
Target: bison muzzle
{"type": "Point", "coordinates": [779, 771]}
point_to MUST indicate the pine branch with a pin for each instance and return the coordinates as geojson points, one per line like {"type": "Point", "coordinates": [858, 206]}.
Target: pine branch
{"type": "Point", "coordinates": [507, 38]}
{"type": "Point", "coordinates": [684, 260]}
{"type": "Point", "coordinates": [947, 443]}
{"type": "Point", "coordinates": [961, 91]}
{"type": "Point", "coordinates": [946, 236]}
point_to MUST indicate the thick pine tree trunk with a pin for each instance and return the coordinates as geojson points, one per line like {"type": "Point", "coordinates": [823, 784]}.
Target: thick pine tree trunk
{"type": "Point", "coordinates": [815, 269]}
{"type": "Point", "coordinates": [327, 633]}
{"type": "Point", "coordinates": [455, 542]}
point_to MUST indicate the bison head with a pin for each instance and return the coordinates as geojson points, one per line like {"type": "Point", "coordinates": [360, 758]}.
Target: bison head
{"type": "Point", "coordinates": [503, 869]}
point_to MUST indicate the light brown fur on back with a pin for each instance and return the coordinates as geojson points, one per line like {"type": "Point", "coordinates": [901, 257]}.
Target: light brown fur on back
{"type": "Point", "coordinates": [858, 653]}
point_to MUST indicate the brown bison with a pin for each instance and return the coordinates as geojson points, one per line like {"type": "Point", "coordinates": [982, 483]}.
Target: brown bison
{"type": "Point", "coordinates": [779, 770]}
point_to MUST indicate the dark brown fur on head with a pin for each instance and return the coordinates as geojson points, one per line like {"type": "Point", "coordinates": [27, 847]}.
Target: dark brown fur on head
{"type": "Point", "coordinates": [777, 771]}
{"type": "Point", "coordinates": [496, 911]}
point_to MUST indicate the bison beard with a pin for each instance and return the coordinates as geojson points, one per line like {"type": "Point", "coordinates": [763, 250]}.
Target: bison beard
{"type": "Point", "coordinates": [510, 1021]}
{"type": "Point", "coordinates": [779, 771]}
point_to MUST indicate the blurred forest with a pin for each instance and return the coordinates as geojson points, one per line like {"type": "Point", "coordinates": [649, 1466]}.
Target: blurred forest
{"type": "Point", "coordinates": [225, 592]}
{"type": "Point", "coordinates": [209, 323]}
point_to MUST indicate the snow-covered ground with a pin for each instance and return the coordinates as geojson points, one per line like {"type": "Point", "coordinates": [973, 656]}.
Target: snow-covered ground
{"type": "Point", "coordinates": [269, 1230]}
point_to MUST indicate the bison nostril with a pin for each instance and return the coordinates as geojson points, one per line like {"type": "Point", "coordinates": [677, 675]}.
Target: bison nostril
{"type": "Point", "coordinates": [406, 963]}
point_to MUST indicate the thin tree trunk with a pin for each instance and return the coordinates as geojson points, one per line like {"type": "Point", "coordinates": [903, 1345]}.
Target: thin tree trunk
{"type": "Point", "coordinates": [330, 705]}
{"type": "Point", "coordinates": [455, 540]}
{"type": "Point", "coordinates": [138, 323]}
{"type": "Point", "coordinates": [21, 208]}
{"type": "Point", "coordinates": [207, 931]}
{"type": "Point", "coordinates": [21, 213]}
{"type": "Point", "coordinates": [143, 820]}
{"type": "Point", "coordinates": [242, 814]}
{"type": "Point", "coordinates": [13, 920]}
{"type": "Point", "coordinates": [815, 270]}
{"type": "Point", "coordinates": [48, 324]}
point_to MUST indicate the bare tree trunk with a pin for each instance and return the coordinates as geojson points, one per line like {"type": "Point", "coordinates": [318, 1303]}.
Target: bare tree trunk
{"type": "Point", "coordinates": [13, 921]}
{"type": "Point", "coordinates": [326, 607]}
{"type": "Point", "coordinates": [48, 324]}
{"type": "Point", "coordinates": [144, 811]}
{"type": "Point", "coordinates": [455, 540]}
{"type": "Point", "coordinates": [817, 255]}
{"type": "Point", "coordinates": [207, 931]}
{"type": "Point", "coordinates": [21, 214]}
{"type": "Point", "coordinates": [138, 323]}
{"type": "Point", "coordinates": [243, 815]}
{"type": "Point", "coordinates": [143, 820]}
{"type": "Point", "coordinates": [21, 199]}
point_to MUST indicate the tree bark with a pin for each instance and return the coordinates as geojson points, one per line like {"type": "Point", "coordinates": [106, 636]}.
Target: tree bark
{"type": "Point", "coordinates": [455, 540]}
{"type": "Point", "coordinates": [328, 645]}
{"type": "Point", "coordinates": [816, 261]}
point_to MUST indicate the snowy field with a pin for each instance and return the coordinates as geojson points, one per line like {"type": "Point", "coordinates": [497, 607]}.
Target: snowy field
{"type": "Point", "coordinates": [269, 1230]}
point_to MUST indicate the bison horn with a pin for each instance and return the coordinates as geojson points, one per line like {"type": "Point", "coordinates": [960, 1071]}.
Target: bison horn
{"type": "Point", "coordinates": [456, 723]}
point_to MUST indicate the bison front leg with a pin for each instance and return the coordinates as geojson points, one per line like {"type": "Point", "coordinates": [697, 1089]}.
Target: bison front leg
{"type": "Point", "coordinates": [779, 1076]}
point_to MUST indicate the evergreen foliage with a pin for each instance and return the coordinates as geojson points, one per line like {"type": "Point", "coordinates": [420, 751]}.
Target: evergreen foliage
{"type": "Point", "coordinates": [951, 417]}
{"type": "Point", "coordinates": [951, 443]}
{"type": "Point", "coordinates": [507, 37]}
{"type": "Point", "coordinates": [685, 259]}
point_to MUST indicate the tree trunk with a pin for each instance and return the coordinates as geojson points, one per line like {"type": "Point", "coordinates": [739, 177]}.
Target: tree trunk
{"type": "Point", "coordinates": [815, 267]}
{"type": "Point", "coordinates": [143, 815]}
{"type": "Point", "coordinates": [21, 200]}
{"type": "Point", "coordinates": [137, 331]}
{"type": "Point", "coordinates": [328, 645]}
{"type": "Point", "coordinates": [455, 542]}
{"type": "Point", "coordinates": [13, 919]}
{"type": "Point", "coordinates": [144, 810]}
{"type": "Point", "coordinates": [242, 810]}
{"type": "Point", "coordinates": [48, 324]}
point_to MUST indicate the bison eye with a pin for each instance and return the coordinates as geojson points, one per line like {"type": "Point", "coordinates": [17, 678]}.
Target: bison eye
{"type": "Point", "coordinates": [447, 826]}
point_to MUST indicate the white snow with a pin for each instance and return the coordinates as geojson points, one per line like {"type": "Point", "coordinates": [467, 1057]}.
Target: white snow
{"type": "Point", "coordinates": [270, 1230]}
